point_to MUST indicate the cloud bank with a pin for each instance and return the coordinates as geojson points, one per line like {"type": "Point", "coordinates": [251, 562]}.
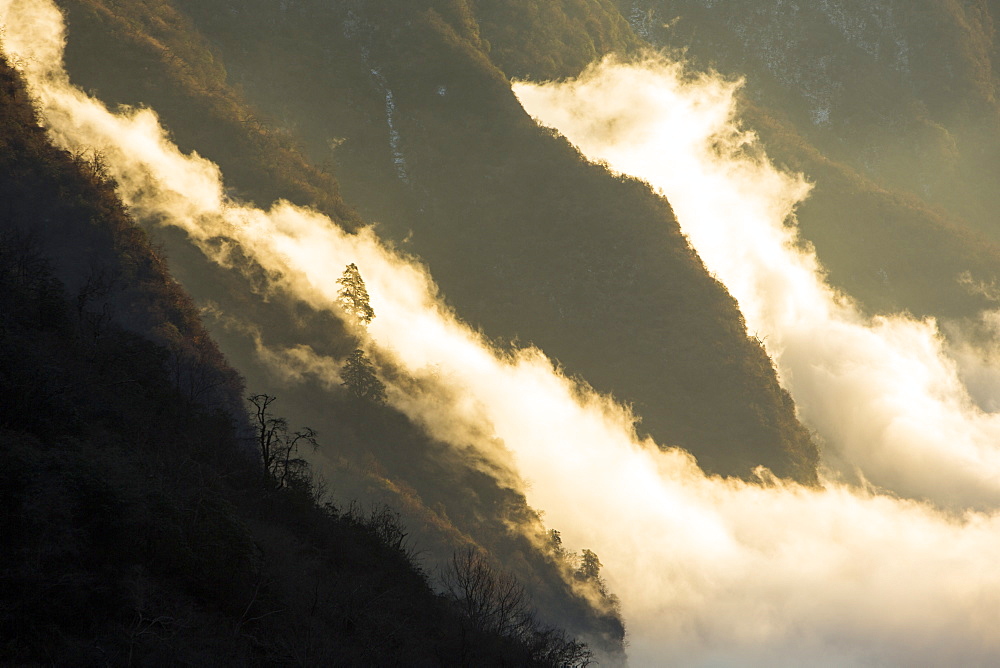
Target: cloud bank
{"type": "Point", "coordinates": [709, 571]}
{"type": "Point", "coordinates": [884, 395]}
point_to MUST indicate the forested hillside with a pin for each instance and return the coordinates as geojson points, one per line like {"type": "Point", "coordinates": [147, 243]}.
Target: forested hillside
{"type": "Point", "coordinates": [890, 108]}
{"type": "Point", "coordinates": [156, 515]}
{"type": "Point", "coordinates": [405, 105]}
{"type": "Point", "coordinates": [140, 523]}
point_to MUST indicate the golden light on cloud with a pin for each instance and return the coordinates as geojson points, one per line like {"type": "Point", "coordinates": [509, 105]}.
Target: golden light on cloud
{"type": "Point", "coordinates": [882, 392]}
{"type": "Point", "coordinates": [709, 571]}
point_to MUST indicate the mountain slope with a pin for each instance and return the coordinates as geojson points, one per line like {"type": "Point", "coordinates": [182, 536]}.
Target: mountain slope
{"type": "Point", "coordinates": [139, 526]}
{"type": "Point", "coordinates": [890, 107]}
{"type": "Point", "coordinates": [376, 456]}
{"type": "Point", "coordinates": [525, 238]}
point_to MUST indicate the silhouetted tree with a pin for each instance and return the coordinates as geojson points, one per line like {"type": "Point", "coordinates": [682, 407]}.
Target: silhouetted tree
{"type": "Point", "coordinates": [360, 379]}
{"type": "Point", "coordinates": [556, 543]}
{"type": "Point", "coordinates": [278, 446]}
{"type": "Point", "coordinates": [353, 295]}
{"type": "Point", "coordinates": [493, 601]}
{"type": "Point", "coordinates": [490, 599]}
{"type": "Point", "coordinates": [385, 523]}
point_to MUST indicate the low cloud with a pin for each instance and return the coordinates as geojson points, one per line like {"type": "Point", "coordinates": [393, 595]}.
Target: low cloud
{"type": "Point", "coordinates": [709, 571]}
{"type": "Point", "coordinates": [883, 393]}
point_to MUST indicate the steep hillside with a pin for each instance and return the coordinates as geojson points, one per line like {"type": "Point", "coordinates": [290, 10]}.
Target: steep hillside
{"type": "Point", "coordinates": [373, 455]}
{"type": "Point", "coordinates": [551, 40]}
{"type": "Point", "coordinates": [904, 91]}
{"type": "Point", "coordinates": [65, 209]}
{"type": "Point", "coordinates": [152, 515]}
{"type": "Point", "coordinates": [139, 524]}
{"type": "Point", "coordinates": [157, 57]}
{"type": "Point", "coordinates": [890, 107]}
{"type": "Point", "coordinates": [524, 237]}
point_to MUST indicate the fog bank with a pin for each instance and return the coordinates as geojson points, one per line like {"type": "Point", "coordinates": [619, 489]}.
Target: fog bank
{"type": "Point", "coordinates": [710, 572]}
{"type": "Point", "coordinates": [882, 393]}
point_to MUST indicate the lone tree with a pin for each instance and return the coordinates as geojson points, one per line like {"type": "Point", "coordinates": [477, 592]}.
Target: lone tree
{"type": "Point", "coordinates": [353, 295]}
{"type": "Point", "coordinates": [278, 446]}
{"type": "Point", "coordinates": [360, 379]}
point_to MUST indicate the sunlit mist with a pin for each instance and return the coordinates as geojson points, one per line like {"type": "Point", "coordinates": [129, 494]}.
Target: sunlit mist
{"type": "Point", "coordinates": [881, 392]}
{"type": "Point", "coordinates": [710, 572]}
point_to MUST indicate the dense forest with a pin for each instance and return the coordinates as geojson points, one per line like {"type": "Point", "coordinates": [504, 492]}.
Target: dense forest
{"type": "Point", "coordinates": [171, 498]}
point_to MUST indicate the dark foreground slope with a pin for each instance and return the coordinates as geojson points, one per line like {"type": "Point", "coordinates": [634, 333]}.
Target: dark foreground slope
{"type": "Point", "coordinates": [371, 453]}
{"type": "Point", "coordinates": [138, 527]}
{"type": "Point", "coordinates": [404, 101]}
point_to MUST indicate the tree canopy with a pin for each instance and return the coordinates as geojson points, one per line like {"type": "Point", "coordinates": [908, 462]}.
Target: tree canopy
{"type": "Point", "coordinates": [353, 295]}
{"type": "Point", "coordinates": [360, 379]}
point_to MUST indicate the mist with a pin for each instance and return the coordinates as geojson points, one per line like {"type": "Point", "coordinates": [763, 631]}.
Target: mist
{"type": "Point", "coordinates": [882, 393]}
{"type": "Point", "coordinates": [709, 571]}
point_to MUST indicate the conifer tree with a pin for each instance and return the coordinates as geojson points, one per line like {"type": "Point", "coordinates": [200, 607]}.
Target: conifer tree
{"type": "Point", "coordinates": [360, 379]}
{"type": "Point", "coordinates": [590, 567]}
{"type": "Point", "coordinates": [353, 295]}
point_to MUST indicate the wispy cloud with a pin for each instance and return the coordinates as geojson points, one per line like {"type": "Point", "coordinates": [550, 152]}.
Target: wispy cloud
{"type": "Point", "coordinates": [710, 571]}
{"type": "Point", "coordinates": [883, 393]}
